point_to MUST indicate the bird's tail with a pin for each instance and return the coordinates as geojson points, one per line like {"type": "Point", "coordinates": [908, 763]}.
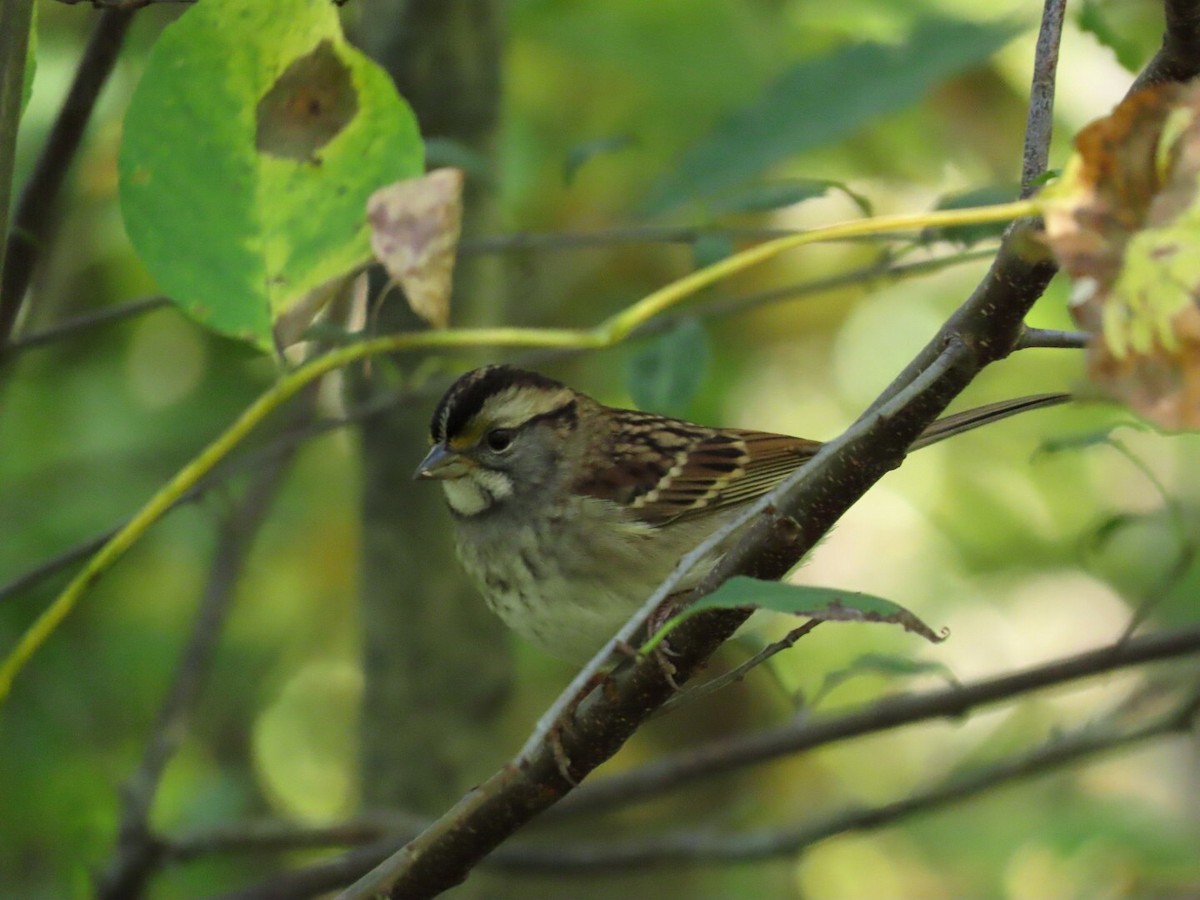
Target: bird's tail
{"type": "Point", "coordinates": [985, 415]}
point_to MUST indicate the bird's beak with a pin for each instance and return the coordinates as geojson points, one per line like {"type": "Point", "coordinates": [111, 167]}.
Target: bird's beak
{"type": "Point", "coordinates": [442, 462]}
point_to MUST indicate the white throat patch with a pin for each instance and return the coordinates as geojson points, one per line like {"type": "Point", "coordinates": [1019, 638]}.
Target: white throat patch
{"type": "Point", "coordinates": [476, 491]}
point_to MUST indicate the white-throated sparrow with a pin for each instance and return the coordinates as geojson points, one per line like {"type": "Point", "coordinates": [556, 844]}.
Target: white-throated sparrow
{"type": "Point", "coordinates": [570, 513]}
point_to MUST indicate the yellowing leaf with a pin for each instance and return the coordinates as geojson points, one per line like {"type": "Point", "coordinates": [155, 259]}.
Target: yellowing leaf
{"type": "Point", "coordinates": [1123, 222]}
{"type": "Point", "coordinates": [415, 226]}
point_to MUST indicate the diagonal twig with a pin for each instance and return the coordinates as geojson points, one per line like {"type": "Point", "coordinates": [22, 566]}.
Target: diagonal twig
{"type": "Point", "coordinates": [31, 222]}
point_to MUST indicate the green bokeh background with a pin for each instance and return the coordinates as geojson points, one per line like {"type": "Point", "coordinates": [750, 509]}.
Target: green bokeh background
{"type": "Point", "coordinates": [977, 535]}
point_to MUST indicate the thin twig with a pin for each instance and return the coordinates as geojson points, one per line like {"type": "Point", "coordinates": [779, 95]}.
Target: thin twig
{"type": "Point", "coordinates": [692, 847]}
{"type": "Point", "coordinates": [951, 702]}
{"type": "Point", "coordinates": [739, 672]}
{"type": "Point", "coordinates": [31, 224]}
{"type": "Point", "coordinates": [1039, 126]}
{"type": "Point", "coordinates": [15, 21]}
{"type": "Point", "coordinates": [74, 326]}
{"type": "Point", "coordinates": [728, 755]}
{"type": "Point", "coordinates": [543, 241]}
{"type": "Point", "coordinates": [273, 836]}
{"type": "Point", "coordinates": [1051, 338]}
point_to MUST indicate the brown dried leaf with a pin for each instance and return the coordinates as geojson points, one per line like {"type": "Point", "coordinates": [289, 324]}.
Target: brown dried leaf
{"type": "Point", "coordinates": [1123, 221]}
{"type": "Point", "coordinates": [415, 226]}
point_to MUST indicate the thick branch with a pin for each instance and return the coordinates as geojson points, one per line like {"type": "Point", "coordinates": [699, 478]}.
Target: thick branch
{"type": "Point", "coordinates": [1179, 57]}
{"type": "Point", "coordinates": [984, 329]}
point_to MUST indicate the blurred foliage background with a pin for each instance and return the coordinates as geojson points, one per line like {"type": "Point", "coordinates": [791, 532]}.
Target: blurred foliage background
{"type": "Point", "coordinates": [1024, 556]}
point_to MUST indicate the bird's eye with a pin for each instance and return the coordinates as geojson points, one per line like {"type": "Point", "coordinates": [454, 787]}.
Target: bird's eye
{"type": "Point", "coordinates": [499, 439]}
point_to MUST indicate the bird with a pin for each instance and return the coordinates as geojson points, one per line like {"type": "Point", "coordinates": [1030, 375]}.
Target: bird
{"type": "Point", "coordinates": [569, 513]}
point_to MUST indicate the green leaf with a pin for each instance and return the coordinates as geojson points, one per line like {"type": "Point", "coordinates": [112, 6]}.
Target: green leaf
{"type": "Point", "coordinates": [666, 373]}
{"type": "Point", "coordinates": [767, 196]}
{"type": "Point", "coordinates": [30, 60]}
{"type": "Point", "coordinates": [780, 193]}
{"type": "Point", "coordinates": [823, 100]}
{"type": "Point", "coordinates": [250, 147]}
{"type": "Point", "coordinates": [441, 153]}
{"type": "Point", "coordinates": [969, 235]}
{"type": "Point", "coordinates": [580, 154]}
{"type": "Point", "coordinates": [883, 664]}
{"type": "Point", "coordinates": [1093, 21]}
{"type": "Point", "coordinates": [822, 604]}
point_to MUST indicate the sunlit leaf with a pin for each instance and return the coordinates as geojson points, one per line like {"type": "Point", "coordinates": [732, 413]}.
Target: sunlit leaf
{"type": "Point", "coordinates": [666, 373]}
{"type": "Point", "coordinates": [1125, 224]}
{"type": "Point", "coordinates": [251, 144]}
{"type": "Point", "coordinates": [415, 225]}
{"type": "Point", "coordinates": [823, 100]}
{"type": "Point", "coordinates": [822, 604]}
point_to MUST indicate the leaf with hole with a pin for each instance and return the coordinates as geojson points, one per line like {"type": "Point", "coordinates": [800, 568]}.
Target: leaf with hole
{"type": "Point", "coordinates": [250, 147]}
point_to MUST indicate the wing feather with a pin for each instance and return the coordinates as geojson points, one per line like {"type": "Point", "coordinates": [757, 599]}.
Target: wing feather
{"type": "Point", "coordinates": [664, 469]}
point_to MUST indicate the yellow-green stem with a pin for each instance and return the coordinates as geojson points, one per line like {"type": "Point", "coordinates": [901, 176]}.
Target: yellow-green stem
{"type": "Point", "coordinates": [609, 332]}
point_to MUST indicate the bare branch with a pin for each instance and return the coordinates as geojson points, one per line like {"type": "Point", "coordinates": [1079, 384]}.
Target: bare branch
{"type": "Point", "coordinates": [15, 20]}
{"type": "Point", "coordinates": [722, 848]}
{"type": "Point", "coordinates": [951, 702]}
{"type": "Point", "coordinates": [1048, 338]}
{"type": "Point", "coordinates": [31, 224]}
{"type": "Point", "coordinates": [268, 836]}
{"type": "Point", "coordinates": [1040, 124]}
{"type": "Point", "coordinates": [72, 327]}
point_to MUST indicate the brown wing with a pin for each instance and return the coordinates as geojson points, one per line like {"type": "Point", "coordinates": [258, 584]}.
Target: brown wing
{"type": "Point", "coordinates": [665, 469]}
